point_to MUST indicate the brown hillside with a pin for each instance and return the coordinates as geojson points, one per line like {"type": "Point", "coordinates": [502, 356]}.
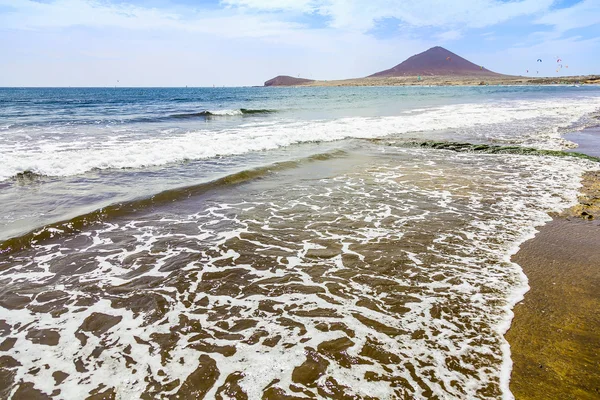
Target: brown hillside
{"type": "Point", "coordinates": [284, 80]}
{"type": "Point", "coordinates": [436, 61]}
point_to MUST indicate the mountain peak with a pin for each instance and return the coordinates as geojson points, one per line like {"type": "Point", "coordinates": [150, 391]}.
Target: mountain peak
{"type": "Point", "coordinates": [435, 61]}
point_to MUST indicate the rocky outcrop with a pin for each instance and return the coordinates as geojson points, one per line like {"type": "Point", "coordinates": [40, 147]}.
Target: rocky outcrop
{"type": "Point", "coordinates": [284, 80]}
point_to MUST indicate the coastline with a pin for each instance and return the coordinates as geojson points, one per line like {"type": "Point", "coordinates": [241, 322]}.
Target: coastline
{"type": "Point", "coordinates": [400, 196]}
{"type": "Point", "coordinates": [454, 80]}
{"type": "Point", "coordinates": [555, 332]}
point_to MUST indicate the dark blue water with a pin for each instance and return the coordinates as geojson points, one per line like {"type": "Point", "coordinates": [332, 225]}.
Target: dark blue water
{"type": "Point", "coordinates": [38, 106]}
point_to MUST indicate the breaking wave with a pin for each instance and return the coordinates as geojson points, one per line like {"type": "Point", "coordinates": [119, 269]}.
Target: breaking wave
{"type": "Point", "coordinates": [74, 225]}
{"type": "Point", "coordinates": [505, 123]}
{"type": "Point", "coordinates": [223, 113]}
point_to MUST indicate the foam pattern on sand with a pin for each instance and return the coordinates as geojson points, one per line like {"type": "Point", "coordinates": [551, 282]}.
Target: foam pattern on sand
{"type": "Point", "coordinates": [72, 150]}
{"type": "Point", "coordinates": [386, 282]}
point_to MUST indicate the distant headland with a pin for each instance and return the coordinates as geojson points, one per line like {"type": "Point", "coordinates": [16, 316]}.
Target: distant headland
{"type": "Point", "coordinates": [284, 80]}
{"type": "Point", "coordinates": [436, 66]}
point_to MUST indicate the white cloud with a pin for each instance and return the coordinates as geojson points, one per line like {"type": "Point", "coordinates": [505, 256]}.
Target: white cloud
{"type": "Point", "coordinates": [29, 14]}
{"type": "Point", "coordinates": [561, 22]}
{"type": "Point", "coordinates": [579, 54]}
{"type": "Point", "coordinates": [84, 42]}
{"type": "Point", "coordinates": [580, 15]}
{"type": "Point", "coordinates": [304, 6]}
{"type": "Point", "coordinates": [353, 15]}
{"type": "Point", "coordinates": [362, 15]}
{"type": "Point", "coordinates": [449, 35]}
{"type": "Point", "coordinates": [79, 42]}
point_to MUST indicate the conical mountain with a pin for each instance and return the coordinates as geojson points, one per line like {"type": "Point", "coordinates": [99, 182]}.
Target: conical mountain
{"type": "Point", "coordinates": [435, 61]}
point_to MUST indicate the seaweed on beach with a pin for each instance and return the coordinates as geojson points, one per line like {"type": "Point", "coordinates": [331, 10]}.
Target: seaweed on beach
{"type": "Point", "coordinates": [492, 149]}
{"type": "Point", "coordinates": [27, 176]}
{"type": "Point", "coordinates": [113, 211]}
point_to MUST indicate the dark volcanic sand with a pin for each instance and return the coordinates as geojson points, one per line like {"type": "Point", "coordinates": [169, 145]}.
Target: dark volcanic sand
{"type": "Point", "coordinates": [555, 334]}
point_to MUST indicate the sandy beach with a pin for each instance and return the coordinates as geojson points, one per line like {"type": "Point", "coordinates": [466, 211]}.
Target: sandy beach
{"type": "Point", "coordinates": [555, 334]}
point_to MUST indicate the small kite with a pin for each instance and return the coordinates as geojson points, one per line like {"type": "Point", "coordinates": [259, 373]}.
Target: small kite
{"type": "Point", "coordinates": [559, 60]}
{"type": "Point", "coordinates": [539, 60]}
{"type": "Point", "coordinates": [448, 58]}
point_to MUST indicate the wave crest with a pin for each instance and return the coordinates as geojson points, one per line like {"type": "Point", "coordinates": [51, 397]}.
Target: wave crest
{"type": "Point", "coordinates": [74, 225]}
{"type": "Point", "coordinates": [509, 123]}
{"type": "Point", "coordinates": [222, 113]}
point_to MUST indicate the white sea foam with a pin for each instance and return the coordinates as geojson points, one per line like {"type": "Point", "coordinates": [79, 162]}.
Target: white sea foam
{"type": "Point", "coordinates": [533, 123]}
{"type": "Point", "coordinates": [226, 112]}
{"type": "Point", "coordinates": [456, 216]}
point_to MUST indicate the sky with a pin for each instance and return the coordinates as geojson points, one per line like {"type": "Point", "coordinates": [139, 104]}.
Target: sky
{"type": "Point", "coordinates": [246, 42]}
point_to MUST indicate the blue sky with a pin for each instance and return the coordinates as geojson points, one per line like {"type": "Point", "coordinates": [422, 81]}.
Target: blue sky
{"type": "Point", "coordinates": [245, 42]}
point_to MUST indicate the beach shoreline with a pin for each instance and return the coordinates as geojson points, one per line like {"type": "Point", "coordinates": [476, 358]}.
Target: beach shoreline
{"type": "Point", "coordinates": [454, 80]}
{"type": "Point", "coordinates": [555, 333]}
{"type": "Point", "coordinates": [341, 248]}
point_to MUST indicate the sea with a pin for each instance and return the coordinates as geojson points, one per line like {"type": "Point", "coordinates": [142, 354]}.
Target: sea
{"type": "Point", "coordinates": [274, 242]}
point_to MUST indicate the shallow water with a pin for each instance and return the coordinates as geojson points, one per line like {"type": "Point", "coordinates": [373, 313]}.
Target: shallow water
{"type": "Point", "coordinates": [89, 148]}
{"type": "Point", "coordinates": [346, 269]}
{"type": "Point", "coordinates": [372, 275]}
{"type": "Point", "coordinates": [588, 141]}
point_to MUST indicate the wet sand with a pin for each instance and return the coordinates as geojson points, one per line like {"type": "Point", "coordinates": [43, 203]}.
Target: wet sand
{"type": "Point", "coordinates": [342, 276]}
{"type": "Point", "coordinates": [555, 334]}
